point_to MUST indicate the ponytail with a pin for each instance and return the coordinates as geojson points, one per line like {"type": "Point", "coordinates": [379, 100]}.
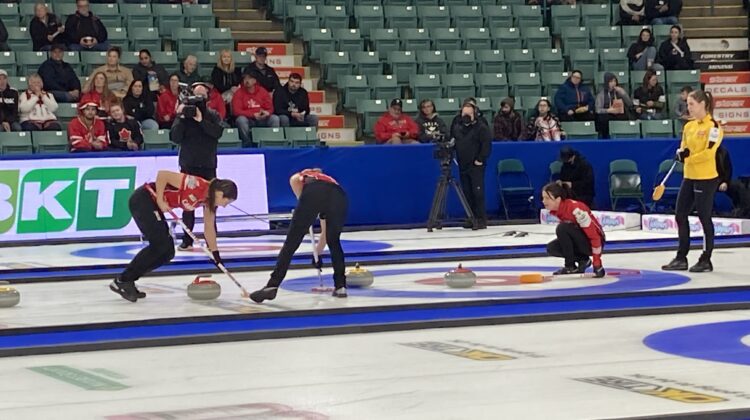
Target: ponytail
{"type": "Point", "coordinates": [707, 98]}
{"type": "Point", "coordinates": [226, 186]}
{"type": "Point", "coordinates": [556, 190]}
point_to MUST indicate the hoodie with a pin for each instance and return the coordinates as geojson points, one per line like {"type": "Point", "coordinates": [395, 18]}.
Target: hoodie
{"type": "Point", "coordinates": [639, 46]}
{"type": "Point", "coordinates": [510, 126]}
{"type": "Point", "coordinates": [387, 126]}
{"type": "Point", "coordinates": [9, 105]}
{"type": "Point", "coordinates": [59, 76]}
{"type": "Point", "coordinates": [248, 103]}
{"type": "Point", "coordinates": [140, 108]}
{"type": "Point", "coordinates": [166, 106]}
{"type": "Point", "coordinates": [78, 26]}
{"type": "Point", "coordinates": [286, 102]}
{"type": "Point", "coordinates": [606, 97]}
{"type": "Point", "coordinates": [570, 97]}
{"type": "Point", "coordinates": [430, 127]}
{"type": "Point", "coordinates": [216, 102]}
{"type": "Point", "coordinates": [675, 57]}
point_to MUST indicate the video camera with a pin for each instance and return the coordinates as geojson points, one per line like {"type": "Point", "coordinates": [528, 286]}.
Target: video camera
{"type": "Point", "coordinates": [443, 148]}
{"type": "Point", "coordinates": [190, 101]}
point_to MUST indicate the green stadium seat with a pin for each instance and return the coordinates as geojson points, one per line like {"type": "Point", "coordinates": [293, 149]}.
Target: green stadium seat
{"type": "Point", "coordinates": [525, 84]}
{"type": "Point", "coordinates": [242, 58]}
{"type": "Point", "coordinates": [384, 40]}
{"type": "Point", "coordinates": [461, 61]}
{"type": "Point", "coordinates": [625, 182]}
{"type": "Point", "coordinates": [403, 64]}
{"type": "Point", "coordinates": [349, 40]}
{"type": "Point", "coordinates": [657, 129]}
{"type": "Point", "coordinates": [108, 13]}
{"type": "Point", "coordinates": [415, 39]}
{"type": "Point", "coordinates": [199, 15]}
{"type": "Point", "coordinates": [446, 39]}
{"type": "Point", "coordinates": [19, 39]}
{"type": "Point", "coordinates": [74, 59]}
{"type": "Point", "coordinates": [384, 86]}
{"type": "Point", "coordinates": [630, 33]}
{"type": "Point", "coordinates": [458, 86]}
{"type": "Point", "coordinates": [25, 10]}
{"type": "Point", "coordinates": [552, 81]}
{"type": "Point", "coordinates": [615, 59]}
{"type": "Point", "coordinates": [302, 17]}
{"type": "Point", "coordinates": [335, 63]}
{"type": "Point", "coordinates": [432, 62]}
{"type": "Point", "coordinates": [50, 141]}
{"type": "Point", "coordinates": [396, 2]}
{"type": "Point", "coordinates": [425, 86]}
{"type": "Point", "coordinates": [354, 88]}
{"type": "Point", "coordinates": [118, 37]}
{"type": "Point", "coordinates": [534, 38]}
{"type": "Point", "coordinates": [596, 14]}
{"type": "Point", "coordinates": [424, 2]}
{"type": "Point", "coordinates": [318, 41]}
{"type": "Point", "coordinates": [230, 138]}
{"type": "Point", "coordinates": [467, 16]}
{"type": "Point", "coordinates": [527, 16]}
{"type": "Point", "coordinates": [302, 136]}
{"type": "Point", "coordinates": [63, 10]}
{"type": "Point", "coordinates": [625, 129]}
{"type": "Point", "coordinates": [526, 105]}
{"type": "Point", "coordinates": [138, 15]}
{"type": "Point", "coordinates": [145, 38]}
{"type": "Point", "coordinates": [15, 143]}
{"type": "Point", "coordinates": [447, 106]}
{"type": "Point", "coordinates": [334, 16]}
{"type": "Point", "coordinates": [188, 40]}
{"type": "Point", "coordinates": [491, 85]}
{"type": "Point", "coordinates": [506, 38]}
{"type": "Point", "coordinates": [400, 16]}
{"type": "Point", "coordinates": [498, 16]}
{"type": "Point", "coordinates": [10, 14]}
{"type": "Point", "coordinates": [18, 82]}
{"type": "Point", "coordinates": [677, 79]}
{"type": "Point", "coordinates": [218, 39]}
{"type": "Point", "coordinates": [370, 111]}
{"type": "Point", "coordinates": [565, 16]}
{"type": "Point", "coordinates": [476, 38]}
{"type": "Point", "coordinates": [367, 62]}
{"type": "Point", "coordinates": [587, 61]}
{"type": "Point", "coordinates": [574, 37]}
{"type": "Point", "coordinates": [434, 17]}
{"type": "Point", "coordinates": [623, 78]}
{"type": "Point", "coordinates": [491, 61]}
{"type": "Point", "coordinates": [606, 37]}
{"type": "Point", "coordinates": [580, 130]}
{"type": "Point", "coordinates": [270, 137]}
{"type": "Point", "coordinates": [206, 61]}
{"type": "Point", "coordinates": [660, 33]}
{"type": "Point", "coordinates": [168, 16]}
{"type": "Point", "coordinates": [549, 60]}
{"type": "Point", "coordinates": [29, 61]}
{"type": "Point", "coordinates": [66, 111]}
{"type": "Point", "coordinates": [521, 60]}
{"type": "Point", "coordinates": [157, 140]}
{"type": "Point", "coordinates": [8, 61]}
{"type": "Point", "coordinates": [368, 18]}
{"type": "Point", "coordinates": [130, 58]}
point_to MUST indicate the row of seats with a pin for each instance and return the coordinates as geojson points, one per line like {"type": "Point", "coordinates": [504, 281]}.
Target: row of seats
{"type": "Point", "coordinates": [57, 141]}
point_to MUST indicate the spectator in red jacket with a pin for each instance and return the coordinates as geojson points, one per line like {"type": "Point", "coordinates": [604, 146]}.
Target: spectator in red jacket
{"type": "Point", "coordinates": [87, 132]}
{"type": "Point", "coordinates": [395, 127]}
{"type": "Point", "coordinates": [253, 107]}
{"type": "Point", "coordinates": [166, 105]}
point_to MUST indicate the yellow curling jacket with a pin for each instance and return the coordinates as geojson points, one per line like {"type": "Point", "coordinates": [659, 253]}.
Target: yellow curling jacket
{"type": "Point", "coordinates": [703, 138]}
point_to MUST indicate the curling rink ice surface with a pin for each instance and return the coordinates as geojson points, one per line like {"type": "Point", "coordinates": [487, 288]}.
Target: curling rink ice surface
{"type": "Point", "coordinates": [656, 366]}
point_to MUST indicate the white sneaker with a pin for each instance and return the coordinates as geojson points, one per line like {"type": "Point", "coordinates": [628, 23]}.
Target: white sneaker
{"type": "Point", "coordinates": [340, 292]}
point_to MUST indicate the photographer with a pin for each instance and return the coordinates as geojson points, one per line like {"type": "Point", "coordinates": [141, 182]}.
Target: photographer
{"type": "Point", "coordinates": [196, 129]}
{"type": "Point", "coordinates": [473, 147]}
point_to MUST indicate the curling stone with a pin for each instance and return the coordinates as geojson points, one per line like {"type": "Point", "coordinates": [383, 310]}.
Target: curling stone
{"type": "Point", "coordinates": [359, 277]}
{"type": "Point", "coordinates": [531, 278]}
{"type": "Point", "coordinates": [9, 296]}
{"type": "Point", "coordinates": [460, 278]}
{"type": "Point", "coordinates": [203, 288]}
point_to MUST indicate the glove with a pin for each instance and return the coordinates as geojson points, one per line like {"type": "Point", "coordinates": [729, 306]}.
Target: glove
{"type": "Point", "coordinates": [217, 258]}
{"type": "Point", "coordinates": [681, 154]}
{"type": "Point", "coordinates": [319, 263]}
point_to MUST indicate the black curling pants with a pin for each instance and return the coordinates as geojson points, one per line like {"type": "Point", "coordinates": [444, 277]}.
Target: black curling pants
{"type": "Point", "coordinates": [188, 217]}
{"type": "Point", "coordinates": [317, 197]}
{"type": "Point", "coordinates": [698, 194]}
{"type": "Point", "coordinates": [571, 244]}
{"type": "Point", "coordinates": [472, 183]}
{"type": "Point", "coordinates": [150, 221]}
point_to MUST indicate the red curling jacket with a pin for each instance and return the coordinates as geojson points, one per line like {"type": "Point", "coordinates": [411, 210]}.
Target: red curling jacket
{"type": "Point", "coordinates": [572, 211]}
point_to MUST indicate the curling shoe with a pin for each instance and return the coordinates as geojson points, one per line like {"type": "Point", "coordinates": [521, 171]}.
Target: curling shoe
{"type": "Point", "coordinates": [468, 224]}
{"type": "Point", "coordinates": [138, 293]}
{"type": "Point", "coordinates": [677, 264]}
{"type": "Point", "coordinates": [566, 270]}
{"type": "Point", "coordinates": [702, 266]}
{"type": "Point", "coordinates": [340, 292]}
{"type": "Point", "coordinates": [184, 246]}
{"type": "Point", "coordinates": [266, 293]}
{"type": "Point", "coordinates": [584, 264]}
{"type": "Point", "coordinates": [125, 289]}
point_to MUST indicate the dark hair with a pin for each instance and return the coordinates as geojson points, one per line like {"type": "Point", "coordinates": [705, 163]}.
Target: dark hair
{"type": "Point", "coordinates": [145, 93]}
{"type": "Point", "coordinates": [577, 71]}
{"type": "Point", "coordinates": [423, 102]}
{"type": "Point", "coordinates": [678, 27]}
{"type": "Point", "coordinates": [705, 97]}
{"type": "Point", "coordinates": [686, 89]}
{"type": "Point", "coordinates": [295, 76]}
{"type": "Point", "coordinates": [650, 36]}
{"type": "Point", "coordinates": [118, 50]}
{"type": "Point", "coordinates": [647, 76]}
{"type": "Point", "coordinates": [226, 186]}
{"type": "Point", "coordinates": [556, 190]}
{"type": "Point", "coordinates": [148, 53]}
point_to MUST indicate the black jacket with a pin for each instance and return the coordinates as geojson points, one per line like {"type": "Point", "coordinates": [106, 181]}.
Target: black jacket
{"type": "Point", "coordinates": [430, 128]}
{"type": "Point", "coordinates": [141, 73]}
{"type": "Point", "coordinates": [652, 11]}
{"type": "Point", "coordinates": [581, 175]}
{"type": "Point", "coordinates": [671, 59]}
{"type": "Point", "coordinates": [3, 37]}
{"type": "Point", "coordinates": [473, 143]}
{"type": "Point", "coordinates": [115, 139]}
{"type": "Point", "coordinates": [224, 81]}
{"type": "Point", "coordinates": [266, 77]}
{"type": "Point", "coordinates": [286, 102]}
{"type": "Point", "coordinates": [638, 47]}
{"type": "Point", "coordinates": [198, 141]}
{"type": "Point", "coordinates": [59, 75]}
{"type": "Point", "coordinates": [189, 79]}
{"type": "Point", "coordinates": [723, 165]}
{"type": "Point", "coordinates": [39, 31]}
{"type": "Point", "coordinates": [9, 105]}
{"type": "Point", "coordinates": [78, 26]}
{"type": "Point", "coordinates": [140, 108]}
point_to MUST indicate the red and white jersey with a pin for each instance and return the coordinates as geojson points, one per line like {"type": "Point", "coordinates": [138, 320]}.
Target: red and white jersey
{"type": "Point", "coordinates": [320, 176]}
{"type": "Point", "coordinates": [82, 137]}
{"type": "Point", "coordinates": [572, 211]}
{"type": "Point", "coordinates": [192, 193]}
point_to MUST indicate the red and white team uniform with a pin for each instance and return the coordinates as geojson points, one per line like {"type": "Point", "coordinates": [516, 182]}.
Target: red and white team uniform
{"type": "Point", "coordinates": [572, 211]}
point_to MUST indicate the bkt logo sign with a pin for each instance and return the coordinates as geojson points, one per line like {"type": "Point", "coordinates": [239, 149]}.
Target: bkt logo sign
{"type": "Point", "coordinates": [51, 199]}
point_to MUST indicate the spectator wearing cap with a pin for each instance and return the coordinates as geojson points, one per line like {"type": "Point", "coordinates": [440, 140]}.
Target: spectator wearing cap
{"type": "Point", "coordinates": [139, 104]}
{"type": "Point", "coordinates": [292, 104]}
{"type": "Point", "coordinates": [45, 28]}
{"type": "Point", "coordinates": [189, 72]}
{"type": "Point", "coordinates": [395, 127]}
{"type": "Point", "coordinates": [8, 105]}
{"type": "Point", "coordinates": [479, 114]}
{"type": "Point", "coordinates": [573, 100]}
{"type": "Point", "coordinates": [166, 105]}
{"type": "Point", "coordinates": [508, 123]}
{"type": "Point", "coordinates": [119, 77]}
{"type": "Point", "coordinates": [123, 131]}
{"type": "Point", "coordinates": [37, 107]}
{"type": "Point", "coordinates": [263, 73]}
{"type": "Point", "coordinates": [84, 31]}
{"type": "Point", "coordinates": [578, 174]}
{"type": "Point", "coordinates": [153, 75]}
{"type": "Point", "coordinates": [87, 133]}
{"type": "Point", "coordinates": [214, 100]}
{"type": "Point", "coordinates": [3, 37]}
{"type": "Point", "coordinates": [226, 76]}
{"type": "Point", "coordinates": [59, 77]}
{"type": "Point", "coordinates": [252, 106]}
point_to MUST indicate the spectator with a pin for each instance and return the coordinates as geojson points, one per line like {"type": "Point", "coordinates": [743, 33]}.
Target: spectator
{"type": "Point", "coordinates": [612, 104]}
{"type": "Point", "coordinates": [87, 133]}
{"type": "Point", "coordinates": [578, 174]}
{"type": "Point", "coordinates": [632, 12]}
{"type": "Point", "coordinates": [292, 104]}
{"type": "Point", "coordinates": [226, 77]}
{"type": "Point", "coordinates": [166, 105]}
{"type": "Point", "coordinates": [253, 107]}
{"type": "Point", "coordinates": [153, 75]}
{"type": "Point", "coordinates": [139, 104]}
{"type": "Point", "coordinates": [189, 72]}
{"type": "Point", "coordinates": [574, 102]}
{"type": "Point", "coordinates": [263, 73]}
{"type": "Point", "coordinates": [431, 126]}
{"type": "Point", "coordinates": [3, 37]}
{"type": "Point", "coordinates": [119, 77]}
{"type": "Point", "coordinates": [674, 53]}
{"type": "Point", "coordinates": [214, 101]}
{"type": "Point", "coordinates": [8, 105]}
{"type": "Point", "coordinates": [37, 107]}
{"type": "Point", "coordinates": [508, 123]}
{"type": "Point", "coordinates": [544, 125]}
{"type": "Point", "coordinates": [395, 127]}
{"type": "Point", "coordinates": [473, 147]}
{"type": "Point", "coordinates": [59, 77]}
{"type": "Point", "coordinates": [123, 131]}
{"type": "Point", "coordinates": [84, 31]}
{"type": "Point", "coordinates": [642, 52]}
{"type": "Point", "coordinates": [97, 91]}
{"type": "Point", "coordinates": [663, 12]}
{"type": "Point", "coordinates": [479, 114]}
{"type": "Point", "coordinates": [46, 29]}
{"type": "Point", "coordinates": [681, 108]}
{"type": "Point", "coordinates": [738, 190]}
{"type": "Point", "coordinates": [649, 98]}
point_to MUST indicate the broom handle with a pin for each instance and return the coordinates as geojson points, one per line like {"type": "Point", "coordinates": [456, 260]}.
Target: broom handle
{"type": "Point", "coordinates": [664, 181]}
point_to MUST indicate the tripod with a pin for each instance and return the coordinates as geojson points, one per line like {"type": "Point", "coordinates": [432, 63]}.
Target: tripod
{"type": "Point", "coordinates": [439, 200]}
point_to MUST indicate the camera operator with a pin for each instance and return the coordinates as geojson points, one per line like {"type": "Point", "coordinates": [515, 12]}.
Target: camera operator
{"type": "Point", "coordinates": [473, 147]}
{"type": "Point", "coordinates": [196, 129]}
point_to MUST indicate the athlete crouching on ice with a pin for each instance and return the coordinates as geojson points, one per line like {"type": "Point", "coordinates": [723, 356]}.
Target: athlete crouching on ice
{"type": "Point", "coordinates": [579, 234]}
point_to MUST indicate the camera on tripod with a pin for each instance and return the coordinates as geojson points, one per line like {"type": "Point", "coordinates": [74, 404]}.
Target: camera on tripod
{"type": "Point", "coordinates": [443, 148]}
{"type": "Point", "coordinates": [190, 101]}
